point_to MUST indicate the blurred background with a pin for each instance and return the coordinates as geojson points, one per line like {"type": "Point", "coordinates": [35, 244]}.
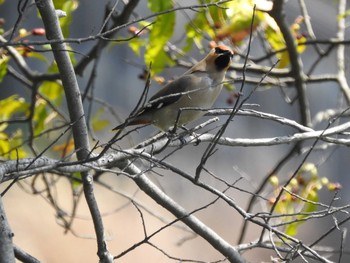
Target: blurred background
{"type": "Point", "coordinates": [36, 226]}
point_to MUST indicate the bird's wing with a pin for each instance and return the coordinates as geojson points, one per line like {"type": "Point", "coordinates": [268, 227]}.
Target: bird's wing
{"type": "Point", "coordinates": [170, 93]}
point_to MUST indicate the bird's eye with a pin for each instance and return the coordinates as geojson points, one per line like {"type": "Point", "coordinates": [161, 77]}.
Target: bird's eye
{"type": "Point", "coordinates": [223, 51]}
{"type": "Point", "coordinates": [218, 50]}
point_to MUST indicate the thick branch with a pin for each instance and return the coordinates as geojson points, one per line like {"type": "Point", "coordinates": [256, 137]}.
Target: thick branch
{"type": "Point", "coordinates": [6, 246]}
{"type": "Point", "coordinates": [76, 112]}
{"type": "Point", "coordinates": [296, 64]}
{"type": "Point", "coordinates": [24, 256]}
{"type": "Point", "coordinates": [341, 52]}
{"type": "Point", "coordinates": [26, 167]}
{"type": "Point", "coordinates": [190, 220]}
{"type": "Point", "coordinates": [13, 169]}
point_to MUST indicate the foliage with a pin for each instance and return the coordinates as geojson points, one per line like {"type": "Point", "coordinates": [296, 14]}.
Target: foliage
{"type": "Point", "coordinates": [11, 141]}
{"type": "Point", "coordinates": [300, 197]}
{"type": "Point", "coordinates": [36, 122]}
{"type": "Point", "coordinates": [231, 22]}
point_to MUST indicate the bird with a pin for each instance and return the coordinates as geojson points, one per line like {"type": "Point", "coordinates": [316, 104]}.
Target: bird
{"type": "Point", "coordinates": [198, 88]}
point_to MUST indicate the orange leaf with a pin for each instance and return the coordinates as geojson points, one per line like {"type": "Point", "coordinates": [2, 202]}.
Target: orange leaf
{"type": "Point", "coordinates": [64, 148]}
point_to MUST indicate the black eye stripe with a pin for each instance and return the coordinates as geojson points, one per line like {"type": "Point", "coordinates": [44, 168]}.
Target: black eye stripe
{"type": "Point", "coordinates": [220, 51]}
{"type": "Point", "coordinates": [222, 62]}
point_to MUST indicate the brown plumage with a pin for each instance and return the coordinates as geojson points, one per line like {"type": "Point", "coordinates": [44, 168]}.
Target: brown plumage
{"type": "Point", "coordinates": [199, 87]}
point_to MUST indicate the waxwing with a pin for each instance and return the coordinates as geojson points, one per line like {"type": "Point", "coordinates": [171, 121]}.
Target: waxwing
{"type": "Point", "coordinates": [198, 88]}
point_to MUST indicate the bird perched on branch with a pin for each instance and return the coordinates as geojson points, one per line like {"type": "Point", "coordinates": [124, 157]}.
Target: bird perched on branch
{"type": "Point", "coordinates": [197, 89]}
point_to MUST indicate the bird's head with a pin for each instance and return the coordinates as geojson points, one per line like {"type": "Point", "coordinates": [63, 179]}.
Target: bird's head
{"type": "Point", "coordinates": [217, 61]}
{"type": "Point", "coordinates": [221, 57]}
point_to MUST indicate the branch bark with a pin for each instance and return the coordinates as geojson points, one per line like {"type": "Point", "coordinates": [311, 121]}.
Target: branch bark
{"type": "Point", "coordinates": [297, 73]}
{"type": "Point", "coordinates": [76, 113]}
{"type": "Point", "coordinates": [7, 254]}
{"type": "Point", "coordinates": [24, 256]}
{"type": "Point", "coordinates": [341, 52]}
{"type": "Point", "coordinates": [191, 221]}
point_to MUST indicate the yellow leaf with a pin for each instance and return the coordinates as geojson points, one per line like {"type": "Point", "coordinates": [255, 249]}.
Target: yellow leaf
{"type": "Point", "coordinates": [161, 32]}
{"type": "Point", "coordinates": [238, 25]}
{"type": "Point", "coordinates": [4, 144]}
{"type": "Point", "coordinates": [10, 147]}
{"type": "Point", "coordinates": [52, 90]}
{"type": "Point", "coordinates": [65, 148]}
{"type": "Point", "coordinates": [98, 123]}
{"type": "Point", "coordinates": [12, 105]}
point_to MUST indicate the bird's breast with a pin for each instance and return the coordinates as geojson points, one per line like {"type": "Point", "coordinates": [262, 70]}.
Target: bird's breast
{"type": "Point", "coordinates": [203, 94]}
{"type": "Point", "coordinates": [207, 82]}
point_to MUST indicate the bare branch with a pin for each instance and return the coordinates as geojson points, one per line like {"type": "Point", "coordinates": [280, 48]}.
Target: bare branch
{"type": "Point", "coordinates": [278, 13]}
{"type": "Point", "coordinates": [341, 52]}
{"type": "Point", "coordinates": [76, 112]}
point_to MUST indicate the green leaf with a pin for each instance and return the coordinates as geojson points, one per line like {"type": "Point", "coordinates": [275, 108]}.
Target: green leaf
{"type": "Point", "coordinates": [98, 123]}
{"type": "Point", "coordinates": [76, 180]}
{"type": "Point", "coordinates": [136, 44]}
{"type": "Point", "coordinates": [15, 142]}
{"type": "Point", "coordinates": [344, 15]}
{"type": "Point", "coordinates": [68, 6]}
{"type": "Point", "coordinates": [159, 5]}
{"type": "Point", "coordinates": [160, 33]}
{"type": "Point", "coordinates": [161, 60]}
{"type": "Point", "coordinates": [314, 197]}
{"type": "Point", "coordinates": [3, 66]}
{"type": "Point", "coordinates": [53, 67]}
{"type": "Point", "coordinates": [12, 105]}
{"type": "Point", "coordinates": [40, 116]}
{"type": "Point", "coordinates": [38, 56]}
{"type": "Point", "coordinates": [237, 26]}
{"type": "Point", "coordinates": [10, 147]}
{"type": "Point", "coordinates": [276, 41]}
{"type": "Point", "coordinates": [195, 31]}
{"type": "Point", "coordinates": [229, 87]}
{"type": "Point", "coordinates": [52, 90]}
{"type": "Point", "coordinates": [292, 229]}
{"type": "Point", "coordinates": [4, 144]}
